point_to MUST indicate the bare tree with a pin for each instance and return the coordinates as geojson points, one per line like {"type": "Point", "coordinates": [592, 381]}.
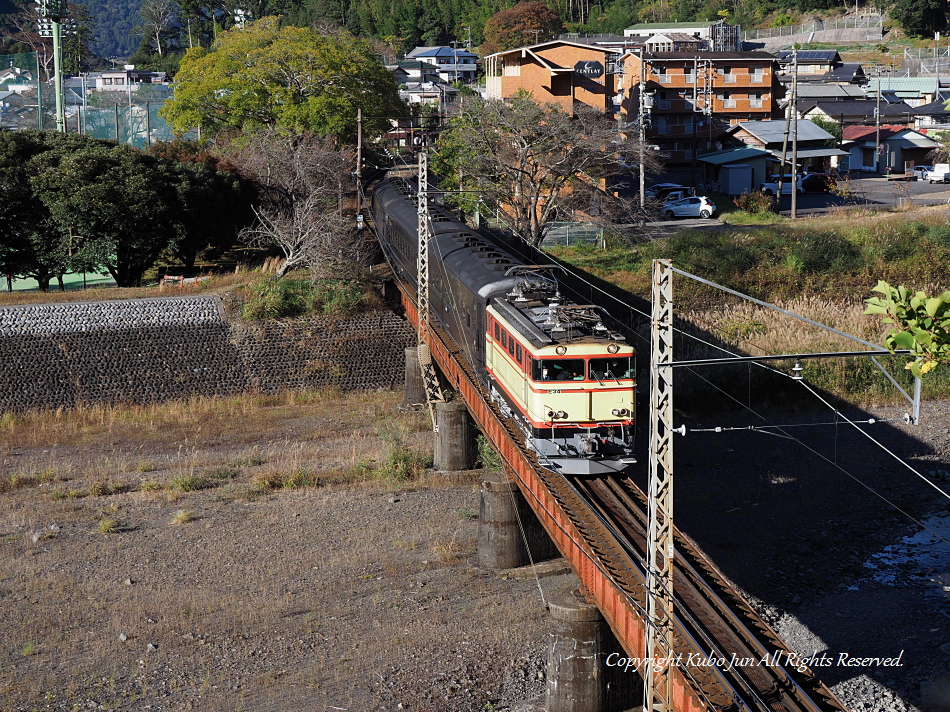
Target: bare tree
{"type": "Point", "coordinates": [158, 17]}
{"type": "Point", "coordinates": [303, 182]}
{"type": "Point", "coordinates": [534, 164]}
{"type": "Point", "coordinates": [311, 233]}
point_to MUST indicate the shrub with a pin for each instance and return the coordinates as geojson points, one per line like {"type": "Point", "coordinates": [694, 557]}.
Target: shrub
{"type": "Point", "coordinates": [299, 478]}
{"type": "Point", "coordinates": [189, 483]}
{"type": "Point", "coordinates": [754, 202]}
{"type": "Point", "coordinates": [108, 526]}
{"type": "Point", "coordinates": [286, 298]}
{"type": "Point", "coordinates": [939, 234]}
{"type": "Point", "coordinates": [182, 516]}
{"type": "Point", "coordinates": [487, 455]}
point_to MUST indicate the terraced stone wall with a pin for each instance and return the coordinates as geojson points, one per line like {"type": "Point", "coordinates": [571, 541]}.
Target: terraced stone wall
{"type": "Point", "coordinates": [145, 350]}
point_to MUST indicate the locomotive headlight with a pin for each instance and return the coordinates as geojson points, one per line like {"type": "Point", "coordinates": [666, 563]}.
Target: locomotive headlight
{"type": "Point", "coordinates": [613, 348]}
{"type": "Point", "coordinates": [557, 414]}
{"type": "Point", "coordinates": [560, 350]}
{"type": "Point", "coordinates": [619, 412]}
{"type": "Point", "coordinates": [561, 414]}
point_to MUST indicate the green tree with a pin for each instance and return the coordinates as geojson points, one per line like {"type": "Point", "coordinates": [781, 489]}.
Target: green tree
{"type": "Point", "coordinates": [534, 163]}
{"type": "Point", "coordinates": [289, 78]}
{"type": "Point", "coordinates": [832, 127]}
{"type": "Point", "coordinates": [921, 325]}
{"type": "Point", "coordinates": [117, 200]}
{"type": "Point", "coordinates": [527, 23]}
{"type": "Point", "coordinates": [215, 200]}
{"type": "Point", "coordinates": [920, 18]}
{"type": "Point", "coordinates": [32, 243]}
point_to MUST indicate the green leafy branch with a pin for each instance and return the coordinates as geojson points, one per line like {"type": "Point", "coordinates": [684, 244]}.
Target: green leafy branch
{"type": "Point", "coordinates": [921, 325]}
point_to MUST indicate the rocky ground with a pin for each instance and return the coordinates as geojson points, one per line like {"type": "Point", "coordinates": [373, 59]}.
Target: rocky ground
{"type": "Point", "coordinates": [363, 593]}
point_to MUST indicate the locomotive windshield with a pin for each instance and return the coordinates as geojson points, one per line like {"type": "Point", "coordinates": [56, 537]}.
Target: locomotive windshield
{"type": "Point", "coordinates": [602, 369]}
{"type": "Point", "coordinates": [564, 369]}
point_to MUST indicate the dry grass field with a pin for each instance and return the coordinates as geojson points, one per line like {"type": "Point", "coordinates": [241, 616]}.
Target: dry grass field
{"type": "Point", "coordinates": [250, 553]}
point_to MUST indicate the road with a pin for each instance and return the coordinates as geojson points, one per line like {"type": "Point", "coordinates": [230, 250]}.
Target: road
{"type": "Point", "coordinates": [866, 192]}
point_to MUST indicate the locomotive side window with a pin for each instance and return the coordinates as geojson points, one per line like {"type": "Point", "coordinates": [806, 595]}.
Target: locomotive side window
{"type": "Point", "coordinates": [564, 369]}
{"type": "Point", "coordinates": [518, 352]}
{"type": "Point", "coordinates": [611, 368]}
{"type": "Point", "coordinates": [497, 332]}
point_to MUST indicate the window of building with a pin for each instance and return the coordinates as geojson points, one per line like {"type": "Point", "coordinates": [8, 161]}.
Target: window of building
{"type": "Point", "coordinates": [107, 81]}
{"type": "Point", "coordinates": [119, 80]}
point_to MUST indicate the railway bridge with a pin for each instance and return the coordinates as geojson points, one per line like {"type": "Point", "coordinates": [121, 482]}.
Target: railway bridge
{"type": "Point", "coordinates": [723, 657]}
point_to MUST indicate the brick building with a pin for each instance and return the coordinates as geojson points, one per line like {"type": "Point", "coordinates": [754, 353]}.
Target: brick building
{"type": "Point", "coordinates": [558, 72]}
{"type": "Point", "coordinates": [696, 96]}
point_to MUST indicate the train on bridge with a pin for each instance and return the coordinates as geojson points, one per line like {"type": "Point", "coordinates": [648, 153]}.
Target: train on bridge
{"type": "Point", "coordinates": [552, 365]}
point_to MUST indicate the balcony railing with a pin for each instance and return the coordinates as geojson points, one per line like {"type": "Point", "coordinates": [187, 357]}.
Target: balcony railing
{"type": "Point", "coordinates": [729, 78]}
{"type": "Point", "coordinates": [755, 103]}
{"type": "Point", "coordinates": [728, 103]}
{"type": "Point", "coordinates": [664, 78]}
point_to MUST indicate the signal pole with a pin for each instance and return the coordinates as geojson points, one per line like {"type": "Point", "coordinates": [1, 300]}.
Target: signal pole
{"type": "Point", "coordinates": [658, 676]}
{"type": "Point", "coordinates": [429, 377]}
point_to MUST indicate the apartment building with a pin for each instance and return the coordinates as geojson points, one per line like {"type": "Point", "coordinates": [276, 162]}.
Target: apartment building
{"type": "Point", "coordinates": [693, 97]}
{"type": "Point", "coordinates": [558, 72]}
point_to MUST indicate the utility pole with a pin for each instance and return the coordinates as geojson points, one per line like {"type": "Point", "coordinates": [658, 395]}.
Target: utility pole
{"type": "Point", "coordinates": [794, 105]}
{"type": "Point", "coordinates": [937, 65]}
{"type": "Point", "coordinates": [877, 128]}
{"type": "Point", "coordinates": [51, 13]}
{"type": "Point", "coordinates": [359, 160]}
{"type": "Point", "coordinates": [642, 121]}
{"type": "Point", "coordinates": [429, 377]}
{"type": "Point", "coordinates": [658, 677]}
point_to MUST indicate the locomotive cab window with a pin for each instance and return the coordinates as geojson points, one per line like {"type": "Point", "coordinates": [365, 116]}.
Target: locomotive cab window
{"type": "Point", "coordinates": [565, 369]}
{"type": "Point", "coordinates": [611, 368]}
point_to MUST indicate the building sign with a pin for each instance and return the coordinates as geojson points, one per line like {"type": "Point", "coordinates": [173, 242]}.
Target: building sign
{"type": "Point", "coordinates": [591, 69]}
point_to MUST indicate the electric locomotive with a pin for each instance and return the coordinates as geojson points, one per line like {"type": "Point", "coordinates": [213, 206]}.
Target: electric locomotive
{"type": "Point", "coordinates": [551, 364]}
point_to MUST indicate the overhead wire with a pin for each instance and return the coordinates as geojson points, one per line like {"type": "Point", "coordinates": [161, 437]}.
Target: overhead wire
{"type": "Point", "coordinates": [826, 459]}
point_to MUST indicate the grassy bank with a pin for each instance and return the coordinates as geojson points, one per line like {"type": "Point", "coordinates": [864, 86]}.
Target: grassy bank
{"type": "Point", "coordinates": [830, 257]}
{"type": "Point", "coordinates": [822, 268]}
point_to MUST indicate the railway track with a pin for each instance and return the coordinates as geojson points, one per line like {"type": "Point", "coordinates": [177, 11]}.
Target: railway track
{"type": "Point", "coordinates": [600, 526]}
{"type": "Point", "coordinates": [711, 616]}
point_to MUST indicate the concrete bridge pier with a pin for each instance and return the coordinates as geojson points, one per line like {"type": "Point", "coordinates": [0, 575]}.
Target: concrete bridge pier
{"type": "Point", "coordinates": [502, 515]}
{"type": "Point", "coordinates": [455, 446]}
{"type": "Point", "coordinates": [579, 680]}
{"type": "Point", "coordinates": [415, 390]}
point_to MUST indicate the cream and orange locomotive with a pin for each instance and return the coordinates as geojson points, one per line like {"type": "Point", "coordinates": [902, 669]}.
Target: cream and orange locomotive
{"type": "Point", "coordinates": [552, 365]}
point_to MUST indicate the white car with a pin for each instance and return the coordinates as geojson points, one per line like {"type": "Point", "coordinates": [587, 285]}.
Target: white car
{"type": "Point", "coordinates": [695, 207]}
{"type": "Point", "coordinates": [654, 190]}
{"type": "Point", "coordinates": [770, 187]}
{"type": "Point", "coordinates": [920, 172]}
{"type": "Point", "coordinates": [940, 173]}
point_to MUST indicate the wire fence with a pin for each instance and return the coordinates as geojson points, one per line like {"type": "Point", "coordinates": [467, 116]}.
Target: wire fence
{"type": "Point", "coordinates": [28, 101]}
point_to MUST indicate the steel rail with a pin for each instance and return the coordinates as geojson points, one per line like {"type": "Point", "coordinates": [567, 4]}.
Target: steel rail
{"type": "Point", "coordinates": [735, 614]}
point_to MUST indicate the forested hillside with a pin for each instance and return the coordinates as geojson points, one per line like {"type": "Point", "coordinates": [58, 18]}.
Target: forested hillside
{"type": "Point", "coordinates": [161, 27]}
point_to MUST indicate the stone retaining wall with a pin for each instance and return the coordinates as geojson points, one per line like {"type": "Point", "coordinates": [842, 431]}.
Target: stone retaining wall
{"type": "Point", "coordinates": [146, 350]}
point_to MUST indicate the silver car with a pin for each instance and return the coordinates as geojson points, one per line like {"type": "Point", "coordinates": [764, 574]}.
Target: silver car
{"type": "Point", "coordinates": [696, 207]}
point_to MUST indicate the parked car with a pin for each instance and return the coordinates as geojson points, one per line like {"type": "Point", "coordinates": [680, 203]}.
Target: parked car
{"type": "Point", "coordinates": [939, 174]}
{"type": "Point", "coordinates": [693, 207]}
{"type": "Point", "coordinates": [816, 183]}
{"type": "Point", "coordinates": [654, 190]}
{"type": "Point", "coordinates": [770, 187]}
{"type": "Point", "coordinates": [920, 172]}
